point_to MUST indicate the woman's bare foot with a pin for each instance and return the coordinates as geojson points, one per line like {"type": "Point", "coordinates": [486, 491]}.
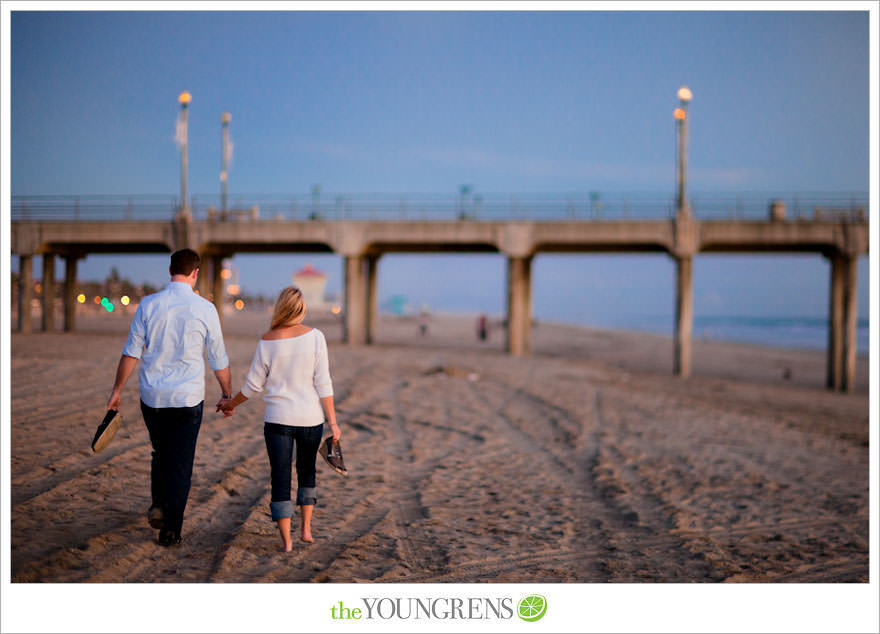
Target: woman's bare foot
{"type": "Point", "coordinates": [307, 510]}
{"type": "Point", "coordinates": [284, 531]}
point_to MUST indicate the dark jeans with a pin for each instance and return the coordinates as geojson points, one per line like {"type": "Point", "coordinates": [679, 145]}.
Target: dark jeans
{"type": "Point", "coordinates": [173, 433]}
{"type": "Point", "coordinates": [280, 440]}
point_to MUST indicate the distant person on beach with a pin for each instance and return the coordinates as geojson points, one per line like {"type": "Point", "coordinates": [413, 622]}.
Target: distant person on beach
{"type": "Point", "coordinates": [292, 371]}
{"type": "Point", "coordinates": [482, 327]}
{"type": "Point", "coordinates": [423, 323]}
{"type": "Point", "coordinates": [169, 333]}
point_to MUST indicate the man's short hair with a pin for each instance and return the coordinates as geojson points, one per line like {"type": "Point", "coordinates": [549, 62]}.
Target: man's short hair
{"type": "Point", "coordinates": [184, 262]}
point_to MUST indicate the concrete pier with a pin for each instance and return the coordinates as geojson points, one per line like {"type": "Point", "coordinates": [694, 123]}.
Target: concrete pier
{"type": "Point", "coordinates": [217, 285]}
{"type": "Point", "coordinates": [25, 292]}
{"type": "Point", "coordinates": [361, 243]}
{"type": "Point", "coordinates": [69, 293]}
{"type": "Point", "coordinates": [850, 323]}
{"type": "Point", "coordinates": [48, 292]}
{"type": "Point", "coordinates": [205, 281]}
{"type": "Point", "coordinates": [684, 315]}
{"type": "Point", "coordinates": [519, 318]}
{"type": "Point", "coordinates": [354, 324]}
{"type": "Point", "coordinates": [372, 296]}
{"type": "Point", "coordinates": [842, 323]}
{"type": "Point", "coordinates": [835, 324]}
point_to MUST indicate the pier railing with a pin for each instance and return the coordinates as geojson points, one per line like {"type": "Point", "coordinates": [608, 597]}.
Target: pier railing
{"type": "Point", "coordinates": [848, 206]}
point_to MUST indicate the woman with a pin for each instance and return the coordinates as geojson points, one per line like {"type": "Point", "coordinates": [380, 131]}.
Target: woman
{"type": "Point", "coordinates": [291, 370]}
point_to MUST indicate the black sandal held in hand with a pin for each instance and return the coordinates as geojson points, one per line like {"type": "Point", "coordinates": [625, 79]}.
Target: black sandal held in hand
{"type": "Point", "coordinates": [106, 430]}
{"type": "Point", "coordinates": [332, 453]}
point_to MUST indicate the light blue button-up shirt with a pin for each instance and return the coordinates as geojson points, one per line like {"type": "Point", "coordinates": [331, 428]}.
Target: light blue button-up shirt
{"type": "Point", "coordinates": [169, 334]}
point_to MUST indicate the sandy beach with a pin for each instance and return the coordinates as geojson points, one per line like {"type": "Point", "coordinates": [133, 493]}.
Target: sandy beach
{"type": "Point", "coordinates": [584, 462]}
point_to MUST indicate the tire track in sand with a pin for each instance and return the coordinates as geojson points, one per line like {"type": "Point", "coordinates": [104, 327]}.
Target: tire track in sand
{"type": "Point", "coordinates": [210, 519]}
{"type": "Point", "coordinates": [124, 536]}
{"type": "Point", "coordinates": [592, 519]}
{"type": "Point", "coordinates": [35, 483]}
{"type": "Point", "coordinates": [630, 550]}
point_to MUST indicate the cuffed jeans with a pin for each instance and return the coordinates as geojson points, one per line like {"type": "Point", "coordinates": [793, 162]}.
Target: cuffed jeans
{"type": "Point", "coordinates": [173, 433]}
{"type": "Point", "coordinates": [280, 441]}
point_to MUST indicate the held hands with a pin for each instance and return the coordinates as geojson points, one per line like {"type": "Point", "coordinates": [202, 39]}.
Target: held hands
{"type": "Point", "coordinates": [225, 405]}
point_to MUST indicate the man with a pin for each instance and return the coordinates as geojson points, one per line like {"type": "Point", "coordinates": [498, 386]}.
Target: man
{"type": "Point", "coordinates": [169, 334]}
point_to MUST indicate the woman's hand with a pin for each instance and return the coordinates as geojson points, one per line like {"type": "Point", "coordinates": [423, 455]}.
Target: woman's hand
{"type": "Point", "coordinates": [228, 405]}
{"type": "Point", "coordinates": [330, 416]}
{"type": "Point", "coordinates": [225, 405]}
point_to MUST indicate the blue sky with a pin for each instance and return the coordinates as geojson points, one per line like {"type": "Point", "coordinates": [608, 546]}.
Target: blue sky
{"type": "Point", "coordinates": [415, 102]}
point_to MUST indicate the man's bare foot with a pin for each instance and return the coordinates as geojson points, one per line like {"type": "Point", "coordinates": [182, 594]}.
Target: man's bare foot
{"type": "Point", "coordinates": [286, 544]}
{"type": "Point", "coordinates": [307, 537]}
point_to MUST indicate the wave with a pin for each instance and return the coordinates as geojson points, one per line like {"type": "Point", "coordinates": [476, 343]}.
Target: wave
{"type": "Point", "coordinates": [809, 333]}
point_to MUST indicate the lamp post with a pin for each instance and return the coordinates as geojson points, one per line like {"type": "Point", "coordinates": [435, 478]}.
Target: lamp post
{"type": "Point", "coordinates": [184, 100]}
{"type": "Point", "coordinates": [682, 207]}
{"type": "Point", "coordinates": [463, 191]}
{"type": "Point", "coordinates": [684, 248]}
{"type": "Point", "coordinates": [225, 118]}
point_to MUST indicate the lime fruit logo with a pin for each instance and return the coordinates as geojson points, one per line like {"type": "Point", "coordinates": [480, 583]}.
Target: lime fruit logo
{"type": "Point", "coordinates": [532, 608]}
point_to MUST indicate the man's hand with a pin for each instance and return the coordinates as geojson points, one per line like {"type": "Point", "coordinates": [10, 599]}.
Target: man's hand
{"type": "Point", "coordinates": [123, 371]}
{"type": "Point", "coordinates": [115, 400]}
{"type": "Point", "coordinates": [225, 405]}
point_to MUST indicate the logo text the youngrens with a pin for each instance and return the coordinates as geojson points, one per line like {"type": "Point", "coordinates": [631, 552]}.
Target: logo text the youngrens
{"type": "Point", "coordinates": [440, 608]}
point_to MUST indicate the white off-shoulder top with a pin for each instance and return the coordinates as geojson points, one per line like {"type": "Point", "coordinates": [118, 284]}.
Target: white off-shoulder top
{"type": "Point", "coordinates": [292, 375]}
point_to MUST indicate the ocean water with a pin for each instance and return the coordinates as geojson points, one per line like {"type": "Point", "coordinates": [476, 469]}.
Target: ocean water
{"type": "Point", "coordinates": [780, 332]}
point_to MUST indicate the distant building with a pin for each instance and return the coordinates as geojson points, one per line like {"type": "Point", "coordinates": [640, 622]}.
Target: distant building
{"type": "Point", "coordinates": [312, 283]}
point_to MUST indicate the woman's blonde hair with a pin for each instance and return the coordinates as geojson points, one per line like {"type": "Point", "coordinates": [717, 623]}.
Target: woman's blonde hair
{"type": "Point", "coordinates": [290, 308]}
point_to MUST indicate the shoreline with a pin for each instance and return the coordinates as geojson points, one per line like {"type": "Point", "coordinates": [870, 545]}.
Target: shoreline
{"type": "Point", "coordinates": [495, 319]}
{"type": "Point", "coordinates": [631, 350]}
{"type": "Point", "coordinates": [704, 339]}
{"type": "Point", "coordinates": [636, 351]}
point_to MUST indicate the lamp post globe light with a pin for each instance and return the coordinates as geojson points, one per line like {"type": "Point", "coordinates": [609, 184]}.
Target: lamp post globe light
{"type": "Point", "coordinates": [184, 100]}
{"type": "Point", "coordinates": [682, 207]}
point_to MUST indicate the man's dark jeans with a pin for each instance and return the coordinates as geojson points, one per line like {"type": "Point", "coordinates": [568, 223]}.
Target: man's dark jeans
{"type": "Point", "coordinates": [173, 433]}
